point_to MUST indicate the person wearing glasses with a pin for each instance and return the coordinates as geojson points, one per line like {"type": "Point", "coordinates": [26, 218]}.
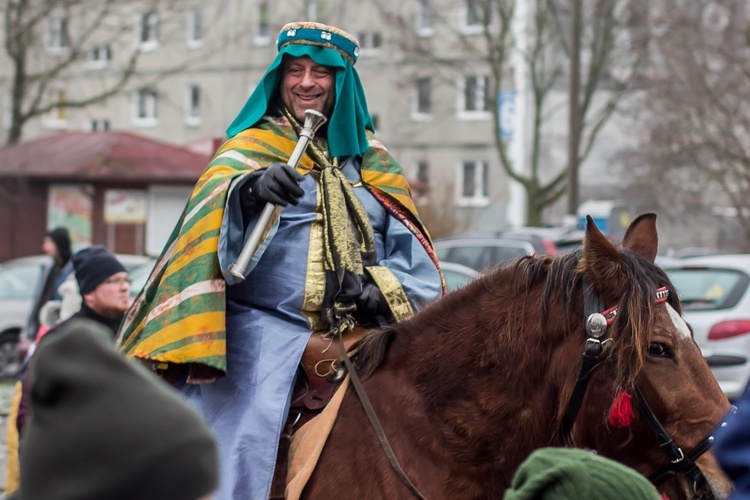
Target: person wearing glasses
{"type": "Point", "coordinates": [104, 285]}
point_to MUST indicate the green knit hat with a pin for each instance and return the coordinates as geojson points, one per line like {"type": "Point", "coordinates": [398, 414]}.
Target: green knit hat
{"type": "Point", "coordinates": [327, 46]}
{"type": "Point", "coordinates": [103, 427]}
{"type": "Point", "coordinates": [575, 474]}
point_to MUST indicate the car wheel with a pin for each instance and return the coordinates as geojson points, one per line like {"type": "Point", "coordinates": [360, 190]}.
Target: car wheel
{"type": "Point", "coordinates": [9, 362]}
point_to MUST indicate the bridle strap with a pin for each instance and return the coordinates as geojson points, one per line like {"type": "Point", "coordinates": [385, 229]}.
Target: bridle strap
{"type": "Point", "coordinates": [680, 462]}
{"type": "Point", "coordinates": [703, 446]}
{"type": "Point", "coordinates": [591, 305]}
{"type": "Point", "coordinates": [372, 416]}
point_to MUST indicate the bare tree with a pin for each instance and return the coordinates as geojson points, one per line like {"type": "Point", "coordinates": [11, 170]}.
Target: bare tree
{"type": "Point", "coordinates": [613, 44]}
{"type": "Point", "coordinates": [48, 40]}
{"type": "Point", "coordinates": [696, 150]}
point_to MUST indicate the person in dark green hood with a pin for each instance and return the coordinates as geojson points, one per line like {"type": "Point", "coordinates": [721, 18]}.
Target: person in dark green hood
{"type": "Point", "coordinates": [344, 245]}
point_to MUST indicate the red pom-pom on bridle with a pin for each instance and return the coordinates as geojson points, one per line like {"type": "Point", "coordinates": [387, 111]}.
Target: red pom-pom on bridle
{"type": "Point", "coordinates": [621, 414]}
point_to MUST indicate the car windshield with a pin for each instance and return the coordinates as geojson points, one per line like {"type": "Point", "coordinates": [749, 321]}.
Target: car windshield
{"type": "Point", "coordinates": [708, 289]}
{"type": "Point", "coordinates": [18, 280]}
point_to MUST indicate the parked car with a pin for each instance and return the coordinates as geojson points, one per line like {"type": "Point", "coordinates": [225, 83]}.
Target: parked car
{"type": "Point", "coordinates": [481, 251]}
{"type": "Point", "coordinates": [139, 275]}
{"type": "Point", "coordinates": [715, 295]}
{"type": "Point", "coordinates": [18, 281]}
{"type": "Point", "coordinates": [457, 275]}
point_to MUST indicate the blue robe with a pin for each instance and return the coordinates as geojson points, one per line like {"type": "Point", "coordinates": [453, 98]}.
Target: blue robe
{"type": "Point", "coordinates": [267, 332]}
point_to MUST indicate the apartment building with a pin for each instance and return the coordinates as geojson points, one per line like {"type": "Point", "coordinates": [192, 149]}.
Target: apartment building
{"type": "Point", "coordinates": [199, 61]}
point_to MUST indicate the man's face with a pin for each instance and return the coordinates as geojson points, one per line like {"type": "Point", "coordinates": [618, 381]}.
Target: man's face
{"type": "Point", "coordinates": [111, 297]}
{"type": "Point", "coordinates": [49, 248]}
{"type": "Point", "coordinates": [307, 85]}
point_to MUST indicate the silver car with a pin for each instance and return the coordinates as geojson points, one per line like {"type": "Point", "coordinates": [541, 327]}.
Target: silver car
{"type": "Point", "coordinates": [715, 294]}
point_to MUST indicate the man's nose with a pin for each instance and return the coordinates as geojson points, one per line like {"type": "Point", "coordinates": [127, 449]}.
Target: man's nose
{"type": "Point", "coordinates": [307, 79]}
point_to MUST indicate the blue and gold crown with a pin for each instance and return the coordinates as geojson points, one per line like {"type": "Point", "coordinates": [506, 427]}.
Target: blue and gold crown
{"type": "Point", "coordinates": [311, 33]}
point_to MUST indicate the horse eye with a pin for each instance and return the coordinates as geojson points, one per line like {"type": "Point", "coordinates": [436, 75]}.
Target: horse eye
{"type": "Point", "coordinates": [659, 351]}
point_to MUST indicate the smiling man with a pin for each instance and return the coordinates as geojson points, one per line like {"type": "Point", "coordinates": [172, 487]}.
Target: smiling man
{"type": "Point", "coordinates": [345, 244]}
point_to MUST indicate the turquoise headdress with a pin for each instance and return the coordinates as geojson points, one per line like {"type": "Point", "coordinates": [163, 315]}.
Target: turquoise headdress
{"type": "Point", "coordinates": [327, 46]}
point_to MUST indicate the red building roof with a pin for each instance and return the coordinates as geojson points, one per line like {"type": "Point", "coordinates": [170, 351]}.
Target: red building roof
{"type": "Point", "coordinates": [102, 156]}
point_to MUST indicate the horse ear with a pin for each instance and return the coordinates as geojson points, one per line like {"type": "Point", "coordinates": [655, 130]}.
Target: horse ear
{"type": "Point", "coordinates": [601, 260]}
{"type": "Point", "coordinates": [641, 236]}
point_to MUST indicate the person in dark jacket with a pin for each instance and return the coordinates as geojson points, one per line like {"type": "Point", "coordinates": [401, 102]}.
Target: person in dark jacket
{"type": "Point", "coordinates": [104, 285]}
{"type": "Point", "coordinates": [732, 447]}
{"type": "Point", "coordinates": [56, 245]}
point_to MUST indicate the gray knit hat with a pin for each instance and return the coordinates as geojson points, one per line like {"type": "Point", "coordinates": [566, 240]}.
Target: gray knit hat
{"type": "Point", "coordinates": [103, 427]}
{"type": "Point", "coordinates": [568, 473]}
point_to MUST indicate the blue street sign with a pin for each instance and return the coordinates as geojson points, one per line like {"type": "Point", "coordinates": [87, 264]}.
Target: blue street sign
{"type": "Point", "coordinates": [506, 113]}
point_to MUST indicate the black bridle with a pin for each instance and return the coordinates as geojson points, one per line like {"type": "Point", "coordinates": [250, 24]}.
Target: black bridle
{"type": "Point", "coordinates": [596, 344]}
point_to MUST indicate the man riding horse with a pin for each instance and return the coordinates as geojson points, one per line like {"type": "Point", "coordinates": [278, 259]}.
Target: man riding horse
{"type": "Point", "coordinates": [344, 243]}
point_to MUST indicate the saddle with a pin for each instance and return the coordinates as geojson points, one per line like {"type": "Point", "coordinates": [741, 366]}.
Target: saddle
{"type": "Point", "coordinates": [319, 377]}
{"type": "Point", "coordinates": [320, 374]}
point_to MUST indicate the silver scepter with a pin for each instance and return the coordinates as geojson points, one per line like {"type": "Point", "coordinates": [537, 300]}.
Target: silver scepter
{"type": "Point", "coordinates": [313, 121]}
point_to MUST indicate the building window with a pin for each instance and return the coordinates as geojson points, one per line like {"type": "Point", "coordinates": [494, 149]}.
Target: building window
{"type": "Point", "coordinates": [148, 31]}
{"type": "Point", "coordinates": [477, 16]}
{"type": "Point", "coordinates": [423, 171]}
{"type": "Point", "coordinates": [425, 18]}
{"type": "Point", "coordinates": [195, 28]}
{"type": "Point", "coordinates": [100, 56]}
{"type": "Point", "coordinates": [99, 125]}
{"type": "Point", "coordinates": [57, 117]}
{"type": "Point", "coordinates": [58, 40]}
{"type": "Point", "coordinates": [144, 104]}
{"type": "Point", "coordinates": [422, 107]}
{"type": "Point", "coordinates": [369, 42]}
{"type": "Point", "coordinates": [262, 29]}
{"type": "Point", "coordinates": [475, 98]}
{"type": "Point", "coordinates": [473, 184]}
{"type": "Point", "coordinates": [193, 105]}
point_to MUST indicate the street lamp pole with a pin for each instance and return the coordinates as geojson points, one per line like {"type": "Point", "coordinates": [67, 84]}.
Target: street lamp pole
{"type": "Point", "coordinates": [574, 118]}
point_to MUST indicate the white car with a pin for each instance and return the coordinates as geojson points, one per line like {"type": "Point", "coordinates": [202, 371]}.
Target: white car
{"type": "Point", "coordinates": [715, 295]}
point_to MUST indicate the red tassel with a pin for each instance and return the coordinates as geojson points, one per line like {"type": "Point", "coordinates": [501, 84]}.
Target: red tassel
{"type": "Point", "coordinates": [622, 412]}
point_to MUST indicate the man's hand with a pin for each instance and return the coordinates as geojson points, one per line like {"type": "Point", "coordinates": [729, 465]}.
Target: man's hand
{"type": "Point", "coordinates": [371, 301]}
{"type": "Point", "coordinates": [279, 185]}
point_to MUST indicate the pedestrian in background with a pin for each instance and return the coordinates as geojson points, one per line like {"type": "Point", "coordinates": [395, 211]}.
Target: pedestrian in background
{"type": "Point", "coordinates": [56, 245]}
{"type": "Point", "coordinates": [104, 286]}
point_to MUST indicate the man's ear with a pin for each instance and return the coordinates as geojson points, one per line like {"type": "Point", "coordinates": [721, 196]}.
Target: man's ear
{"type": "Point", "coordinates": [88, 298]}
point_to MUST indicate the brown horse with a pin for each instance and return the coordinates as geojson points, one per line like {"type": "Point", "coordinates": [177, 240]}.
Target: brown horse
{"type": "Point", "coordinates": [474, 383]}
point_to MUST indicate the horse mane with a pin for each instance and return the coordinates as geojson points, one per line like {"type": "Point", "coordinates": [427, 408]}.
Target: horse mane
{"type": "Point", "coordinates": [545, 287]}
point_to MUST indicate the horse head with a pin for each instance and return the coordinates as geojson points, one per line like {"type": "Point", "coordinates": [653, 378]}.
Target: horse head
{"type": "Point", "coordinates": [651, 364]}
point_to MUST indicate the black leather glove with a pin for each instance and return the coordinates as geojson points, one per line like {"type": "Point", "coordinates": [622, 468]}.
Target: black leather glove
{"type": "Point", "coordinates": [371, 301]}
{"type": "Point", "coordinates": [279, 185]}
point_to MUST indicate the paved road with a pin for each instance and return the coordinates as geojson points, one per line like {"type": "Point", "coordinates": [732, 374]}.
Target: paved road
{"type": "Point", "coordinates": [6, 394]}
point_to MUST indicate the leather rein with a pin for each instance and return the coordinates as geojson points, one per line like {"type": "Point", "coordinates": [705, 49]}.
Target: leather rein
{"type": "Point", "coordinates": [597, 343]}
{"type": "Point", "coordinates": [372, 416]}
